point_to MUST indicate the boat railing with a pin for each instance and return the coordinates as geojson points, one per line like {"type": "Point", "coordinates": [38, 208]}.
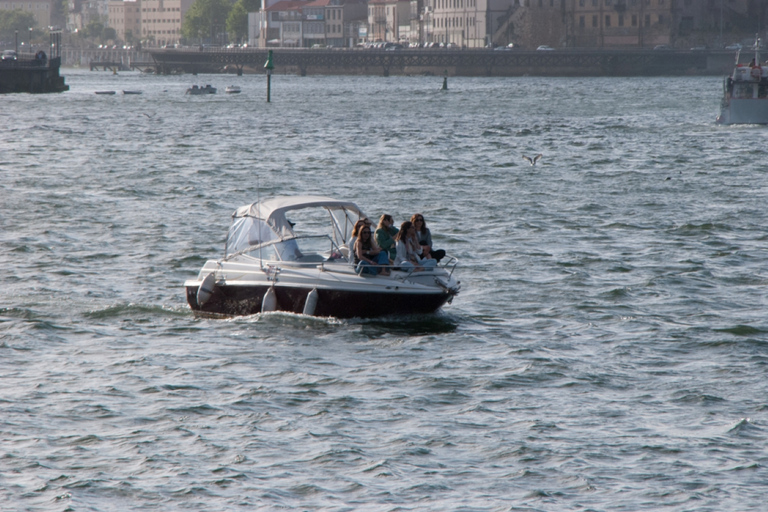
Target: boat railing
{"type": "Point", "coordinates": [444, 264]}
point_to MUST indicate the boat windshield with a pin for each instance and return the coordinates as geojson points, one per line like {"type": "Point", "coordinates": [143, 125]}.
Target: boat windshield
{"type": "Point", "coordinates": [248, 229]}
{"type": "Point", "coordinates": [302, 249]}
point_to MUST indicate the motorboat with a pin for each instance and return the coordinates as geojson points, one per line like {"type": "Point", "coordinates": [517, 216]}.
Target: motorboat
{"type": "Point", "coordinates": [132, 92]}
{"type": "Point", "coordinates": [107, 93]}
{"type": "Point", "coordinates": [745, 91]}
{"type": "Point", "coordinates": [195, 90]}
{"type": "Point", "coordinates": [232, 89]}
{"type": "Point", "coordinates": [303, 265]}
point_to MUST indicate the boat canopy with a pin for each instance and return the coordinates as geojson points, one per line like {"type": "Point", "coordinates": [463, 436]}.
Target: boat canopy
{"type": "Point", "coordinates": [265, 221]}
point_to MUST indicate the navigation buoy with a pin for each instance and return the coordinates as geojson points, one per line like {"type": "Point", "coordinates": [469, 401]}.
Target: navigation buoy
{"type": "Point", "coordinates": [205, 290]}
{"type": "Point", "coordinates": [269, 302]}
{"type": "Point", "coordinates": [311, 304]}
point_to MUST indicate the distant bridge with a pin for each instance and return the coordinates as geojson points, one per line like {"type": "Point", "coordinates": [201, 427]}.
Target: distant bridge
{"type": "Point", "coordinates": [467, 62]}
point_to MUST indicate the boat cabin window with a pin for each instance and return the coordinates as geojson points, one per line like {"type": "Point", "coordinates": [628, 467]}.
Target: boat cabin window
{"type": "Point", "coordinates": [743, 91]}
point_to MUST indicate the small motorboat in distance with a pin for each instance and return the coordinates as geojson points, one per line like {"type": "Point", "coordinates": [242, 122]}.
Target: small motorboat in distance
{"type": "Point", "coordinates": [195, 90]}
{"type": "Point", "coordinates": [105, 92]}
{"type": "Point", "coordinates": [267, 266]}
{"type": "Point", "coordinates": [232, 89]}
{"type": "Point", "coordinates": [132, 92]}
{"type": "Point", "coordinates": [745, 91]}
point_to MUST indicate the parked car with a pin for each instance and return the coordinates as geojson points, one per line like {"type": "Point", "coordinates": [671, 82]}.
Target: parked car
{"type": "Point", "coordinates": [662, 47]}
{"type": "Point", "coordinates": [9, 55]}
{"type": "Point", "coordinates": [699, 49]}
{"type": "Point", "coordinates": [545, 48]}
{"type": "Point", "coordinates": [394, 48]}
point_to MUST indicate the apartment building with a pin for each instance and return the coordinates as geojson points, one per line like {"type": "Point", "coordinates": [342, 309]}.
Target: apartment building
{"type": "Point", "coordinates": [389, 20]}
{"type": "Point", "coordinates": [616, 23]}
{"type": "Point", "coordinates": [303, 24]}
{"type": "Point", "coordinates": [161, 20]}
{"type": "Point", "coordinates": [125, 18]}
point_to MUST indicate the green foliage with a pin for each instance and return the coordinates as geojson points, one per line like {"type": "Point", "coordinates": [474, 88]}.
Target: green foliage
{"type": "Point", "coordinates": [94, 29]}
{"type": "Point", "coordinates": [237, 22]}
{"type": "Point", "coordinates": [13, 21]}
{"type": "Point", "coordinates": [109, 33]}
{"type": "Point", "coordinates": [206, 19]}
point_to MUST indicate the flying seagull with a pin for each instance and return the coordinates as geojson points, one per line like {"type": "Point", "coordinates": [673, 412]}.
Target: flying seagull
{"type": "Point", "coordinates": [533, 160]}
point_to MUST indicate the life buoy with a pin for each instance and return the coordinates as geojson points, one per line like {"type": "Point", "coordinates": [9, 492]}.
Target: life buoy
{"type": "Point", "coordinates": [756, 72]}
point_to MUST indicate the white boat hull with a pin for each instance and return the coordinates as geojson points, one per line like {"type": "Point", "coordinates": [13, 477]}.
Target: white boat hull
{"type": "Point", "coordinates": [745, 111]}
{"type": "Point", "coordinates": [335, 289]}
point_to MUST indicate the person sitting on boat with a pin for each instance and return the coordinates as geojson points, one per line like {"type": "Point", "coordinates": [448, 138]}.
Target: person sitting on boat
{"type": "Point", "coordinates": [425, 238]}
{"type": "Point", "coordinates": [385, 235]}
{"type": "Point", "coordinates": [368, 255]}
{"type": "Point", "coordinates": [359, 225]}
{"type": "Point", "coordinates": [409, 250]}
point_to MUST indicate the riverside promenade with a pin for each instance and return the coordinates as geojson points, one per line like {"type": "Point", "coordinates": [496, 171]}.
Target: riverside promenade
{"type": "Point", "coordinates": [453, 62]}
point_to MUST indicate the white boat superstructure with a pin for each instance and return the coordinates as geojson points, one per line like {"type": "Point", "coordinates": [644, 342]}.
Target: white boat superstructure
{"type": "Point", "coordinates": [269, 267]}
{"type": "Point", "coordinates": [745, 92]}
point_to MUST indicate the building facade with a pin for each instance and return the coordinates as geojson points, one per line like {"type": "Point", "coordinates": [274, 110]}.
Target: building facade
{"type": "Point", "coordinates": [125, 18]}
{"type": "Point", "coordinates": [389, 21]}
{"type": "Point", "coordinates": [161, 21]}
{"type": "Point", "coordinates": [302, 24]}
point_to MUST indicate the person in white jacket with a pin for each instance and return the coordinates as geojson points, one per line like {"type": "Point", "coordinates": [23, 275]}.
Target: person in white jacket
{"type": "Point", "coordinates": [408, 255]}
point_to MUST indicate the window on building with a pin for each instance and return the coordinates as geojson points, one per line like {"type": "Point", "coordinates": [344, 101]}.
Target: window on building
{"type": "Point", "coordinates": [661, 19]}
{"type": "Point", "coordinates": [607, 20]}
{"type": "Point", "coordinates": [582, 21]}
{"type": "Point", "coordinates": [621, 20]}
{"type": "Point", "coordinates": [647, 20]}
{"type": "Point", "coordinates": [634, 20]}
{"type": "Point", "coordinates": [594, 20]}
{"type": "Point", "coordinates": [608, 3]}
{"type": "Point", "coordinates": [581, 3]}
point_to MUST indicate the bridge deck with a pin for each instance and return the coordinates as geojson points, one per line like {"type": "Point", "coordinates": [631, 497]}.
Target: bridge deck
{"type": "Point", "coordinates": [453, 61]}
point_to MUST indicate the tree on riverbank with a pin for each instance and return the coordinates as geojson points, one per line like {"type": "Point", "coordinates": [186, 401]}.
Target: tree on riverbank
{"type": "Point", "coordinates": [15, 22]}
{"type": "Point", "coordinates": [237, 21]}
{"type": "Point", "coordinates": [206, 20]}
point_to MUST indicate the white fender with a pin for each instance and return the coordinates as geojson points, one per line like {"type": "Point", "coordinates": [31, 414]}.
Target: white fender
{"type": "Point", "coordinates": [205, 290]}
{"type": "Point", "coordinates": [311, 304]}
{"type": "Point", "coordinates": [269, 302]}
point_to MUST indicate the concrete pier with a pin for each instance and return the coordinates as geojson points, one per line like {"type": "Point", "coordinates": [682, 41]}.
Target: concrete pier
{"type": "Point", "coordinates": [30, 74]}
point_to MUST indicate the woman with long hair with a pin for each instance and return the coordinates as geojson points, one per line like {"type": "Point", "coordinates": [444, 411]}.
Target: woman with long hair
{"type": "Point", "coordinates": [385, 235]}
{"type": "Point", "coordinates": [425, 238]}
{"type": "Point", "coordinates": [368, 255]}
{"type": "Point", "coordinates": [408, 249]}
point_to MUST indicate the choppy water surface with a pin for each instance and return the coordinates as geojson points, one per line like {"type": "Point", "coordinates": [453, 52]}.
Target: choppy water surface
{"type": "Point", "coordinates": [607, 352]}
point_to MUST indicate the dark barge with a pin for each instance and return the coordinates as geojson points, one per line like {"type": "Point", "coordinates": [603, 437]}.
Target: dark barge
{"type": "Point", "coordinates": [33, 72]}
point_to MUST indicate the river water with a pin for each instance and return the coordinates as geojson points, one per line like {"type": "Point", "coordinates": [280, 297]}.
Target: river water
{"type": "Point", "coordinates": [608, 351]}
